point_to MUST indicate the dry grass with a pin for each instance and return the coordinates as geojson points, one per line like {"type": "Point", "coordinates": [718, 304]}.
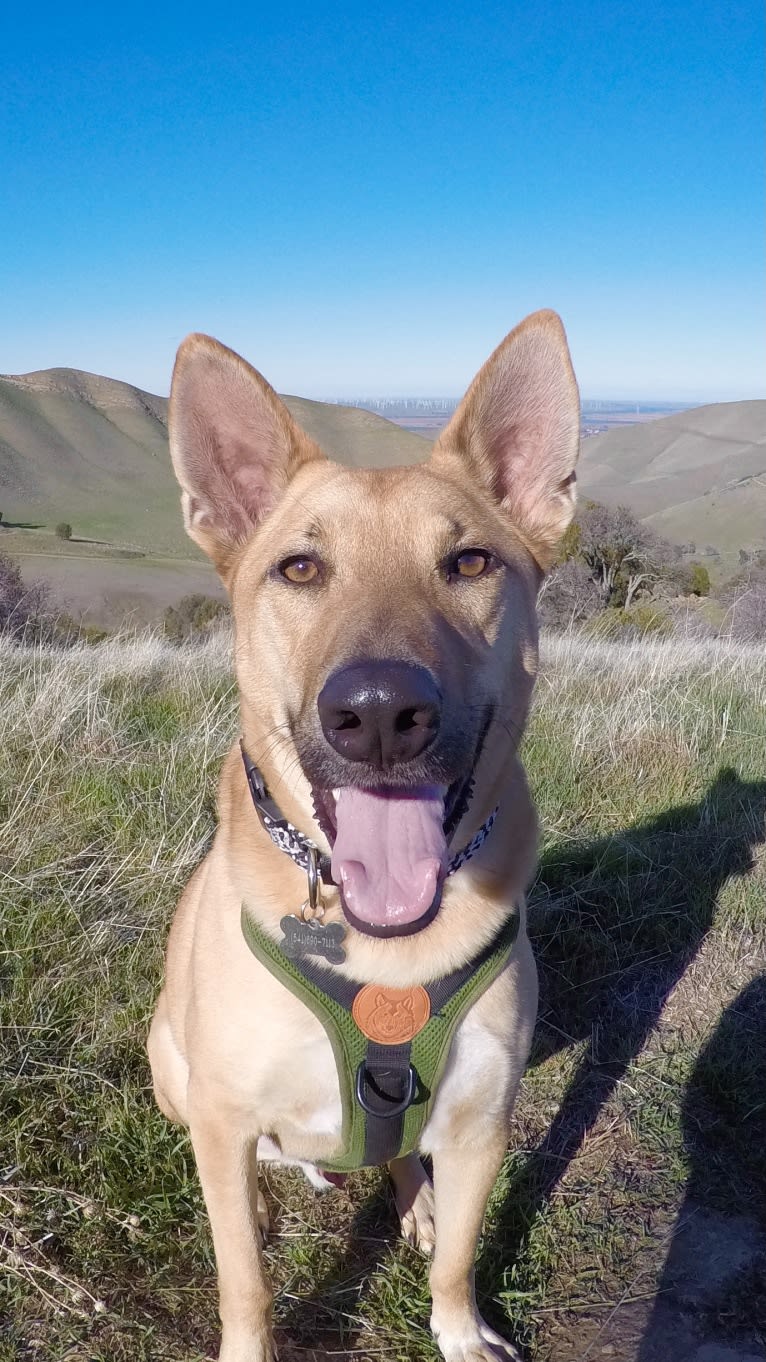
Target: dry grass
{"type": "Point", "coordinates": [648, 1076]}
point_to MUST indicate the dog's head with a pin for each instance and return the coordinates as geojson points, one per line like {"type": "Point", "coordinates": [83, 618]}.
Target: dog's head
{"type": "Point", "coordinates": [385, 620]}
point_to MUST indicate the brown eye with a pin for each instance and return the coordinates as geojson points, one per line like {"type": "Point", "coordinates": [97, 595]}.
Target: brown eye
{"type": "Point", "coordinates": [299, 570]}
{"type": "Point", "coordinates": [472, 563]}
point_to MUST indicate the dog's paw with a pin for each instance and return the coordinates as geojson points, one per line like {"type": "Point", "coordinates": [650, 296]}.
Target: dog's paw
{"type": "Point", "coordinates": [263, 1218]}
{"type": "Point", "coordinates": [418, 1226]}
{"type": "Point", "coordinates": [414, 1196]}
{"type": "Point", "coordinates": [475, 1342]}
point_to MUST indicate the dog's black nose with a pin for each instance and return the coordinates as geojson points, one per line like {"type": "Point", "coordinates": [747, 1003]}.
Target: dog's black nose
{"type": "Point", "coordinates": [380, 712]}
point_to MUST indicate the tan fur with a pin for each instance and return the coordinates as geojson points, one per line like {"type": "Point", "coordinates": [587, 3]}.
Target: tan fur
{"type": "Point", "coordinates": [234, 1055]}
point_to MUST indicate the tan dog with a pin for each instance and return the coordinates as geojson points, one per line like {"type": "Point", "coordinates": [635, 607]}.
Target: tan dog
{"type": "Point", "coordinates": [386, 649]}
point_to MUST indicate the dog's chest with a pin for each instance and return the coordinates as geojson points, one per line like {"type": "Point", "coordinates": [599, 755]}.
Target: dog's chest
{"type": "Point", "coordinates": [292, 1089]}
{"type": "Point", "coordinates": [282, 1073]}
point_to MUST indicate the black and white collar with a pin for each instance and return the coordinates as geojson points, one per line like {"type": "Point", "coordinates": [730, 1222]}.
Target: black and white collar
{"type": "Point", "coordinates": [299, 848]}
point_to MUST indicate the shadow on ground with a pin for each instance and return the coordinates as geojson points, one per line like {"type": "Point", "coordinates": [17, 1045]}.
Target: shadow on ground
{"type": "Point", "coordinates": [320, 1314]}
{"type": "Point", "coordinates": [615, 925]}
{"type": "Point", "coordinates": [713, 1285]}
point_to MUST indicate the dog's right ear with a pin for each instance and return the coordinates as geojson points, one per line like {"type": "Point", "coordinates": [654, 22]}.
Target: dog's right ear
{"type": "Point", "coordinates": [234, 446]}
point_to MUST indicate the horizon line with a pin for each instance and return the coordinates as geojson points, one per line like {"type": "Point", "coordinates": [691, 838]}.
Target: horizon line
{"type": "Point", "coordinates": [392, 395]}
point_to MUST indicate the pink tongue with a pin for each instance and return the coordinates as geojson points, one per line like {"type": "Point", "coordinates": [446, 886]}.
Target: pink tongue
{"type": "Point", "coordinates": [389, 853]}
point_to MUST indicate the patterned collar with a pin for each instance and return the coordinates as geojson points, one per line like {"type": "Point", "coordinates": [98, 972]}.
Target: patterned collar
{"type": "Point", "coordinates": [299, 847]}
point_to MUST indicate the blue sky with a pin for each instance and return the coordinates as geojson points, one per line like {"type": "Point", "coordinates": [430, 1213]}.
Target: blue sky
{"type": "Point", "coordinates": [363, 199]}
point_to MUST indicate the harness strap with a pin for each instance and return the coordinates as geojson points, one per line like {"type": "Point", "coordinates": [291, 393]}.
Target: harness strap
{"type": "Point", "coordinates": [387, 1091]}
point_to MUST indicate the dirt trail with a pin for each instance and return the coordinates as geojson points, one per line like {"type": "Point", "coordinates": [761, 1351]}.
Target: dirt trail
{"type": "Point", "coordinates": [711, 1258]}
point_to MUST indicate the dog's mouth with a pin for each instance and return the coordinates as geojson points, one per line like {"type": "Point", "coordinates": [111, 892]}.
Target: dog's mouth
{"type": "Point", "coordinates": [389, 851]}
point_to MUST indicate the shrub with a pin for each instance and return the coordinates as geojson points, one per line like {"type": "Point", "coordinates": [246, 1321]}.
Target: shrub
{"type": "Point", "coordinates": [570, 543]}
{"type": "Point", "coordinates": [637, 622]}
{"type": "Point", "coordinates": [63, 530]}
{"type": "Point", "coordinates": [21, 606]}
{"type": "Point", "coordinates": [192, 617]}
{"type": "Point", "coordinates": [689, 619]}
{"type": "Point", "coordinates": [690, 579]}
{"type": "Point", "coordinates": [700, 584]}
{"type": "Point", "coordinates": [748, 614]}
{"type": "Point", "coordinates": [66, 631]}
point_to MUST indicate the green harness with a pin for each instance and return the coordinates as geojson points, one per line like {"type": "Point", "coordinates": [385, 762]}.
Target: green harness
{"type": "Point", "coordinates": [387, 1089]}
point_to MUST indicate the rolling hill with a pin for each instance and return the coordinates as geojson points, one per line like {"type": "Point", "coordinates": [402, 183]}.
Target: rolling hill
{"type": "Point", "coordinates": [697, 476]}
{"type": "Point", "coordinates": [92, 451]}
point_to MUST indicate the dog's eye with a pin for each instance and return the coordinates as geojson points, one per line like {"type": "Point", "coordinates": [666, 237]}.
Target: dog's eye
{"type": "Point", "coordinates": [470, 563]}
{"type": "Point", "coordinates": [299, 570]}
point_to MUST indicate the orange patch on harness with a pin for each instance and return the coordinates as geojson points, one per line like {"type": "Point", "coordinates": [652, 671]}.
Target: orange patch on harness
{"type": "Point", "coordinates": [391, 1016]}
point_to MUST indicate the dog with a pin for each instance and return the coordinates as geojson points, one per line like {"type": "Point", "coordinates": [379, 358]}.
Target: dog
{"type": "Point", "coordinates": [349, 979]}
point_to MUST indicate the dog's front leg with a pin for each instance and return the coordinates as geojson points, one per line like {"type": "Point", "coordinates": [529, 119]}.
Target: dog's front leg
{"type": "Point", "coordinates": [227, 1165]}
{"type": "Point", "coordinates": [463, 1179]}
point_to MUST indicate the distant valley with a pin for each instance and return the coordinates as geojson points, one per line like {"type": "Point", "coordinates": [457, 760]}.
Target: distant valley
{"type": "Point", "coordinates": [427, 416]}
{"type": "Point", "coordinates": [92, 451]}
{"type": "Point", "coordinates": [698, 477]}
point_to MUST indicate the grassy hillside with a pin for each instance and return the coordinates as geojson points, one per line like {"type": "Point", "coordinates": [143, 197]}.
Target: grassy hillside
{"type": "Point", "coordinates": [699, 475]}
{"type": "Point", "coordinates": [636, 1158]}
{"type": "Point", "coordinates": [93, 451]}
{"type": "Point", "coordinates": [88, 450]}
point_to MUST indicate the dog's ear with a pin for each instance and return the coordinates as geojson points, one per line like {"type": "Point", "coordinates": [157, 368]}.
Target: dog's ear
{"type": "Point", "coordinates": [234, 446]}
{"type": "Point", "coordinates": [518, 427]}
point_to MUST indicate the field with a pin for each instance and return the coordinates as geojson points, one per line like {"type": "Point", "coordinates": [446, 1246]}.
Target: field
{"type": "Point", "coordinates": [629, 1221]}
{"type": "Point", "coordinates": [104, 585]}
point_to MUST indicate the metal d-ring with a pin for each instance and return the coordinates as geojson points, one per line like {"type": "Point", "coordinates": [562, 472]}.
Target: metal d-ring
{"type": "Point", "coordinates": [314, 905]}
{"type": "Point", "coordinates": [396, 1108]}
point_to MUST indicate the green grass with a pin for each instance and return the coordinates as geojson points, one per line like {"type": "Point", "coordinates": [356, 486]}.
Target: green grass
{"type": "Point", "coordinates": [646, 1089]}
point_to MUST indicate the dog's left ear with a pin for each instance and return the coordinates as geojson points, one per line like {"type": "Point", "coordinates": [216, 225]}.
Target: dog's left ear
{"type": "Point", "coordinates": [234, 446]}
{"type": "Point", "coordinates": [518, 427]}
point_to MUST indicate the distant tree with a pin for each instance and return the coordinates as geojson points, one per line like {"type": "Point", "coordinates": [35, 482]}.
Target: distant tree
{"type": "Point", "coordinates": [63, 530]}
{"type": "Point", "coordinates": [624, 556]}
{"type": "Point", "coordinates": [568, 596]}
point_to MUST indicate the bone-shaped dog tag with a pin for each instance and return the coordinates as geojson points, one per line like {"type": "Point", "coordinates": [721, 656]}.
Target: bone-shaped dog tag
{"type": "Point", "coordinates": [313, 938]}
